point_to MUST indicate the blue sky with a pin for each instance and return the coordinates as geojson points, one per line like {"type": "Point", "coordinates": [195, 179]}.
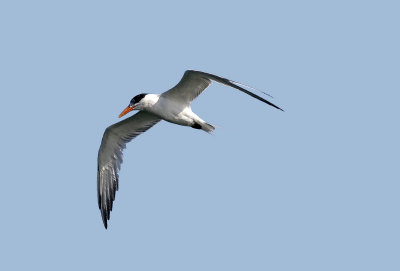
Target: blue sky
{"type": "Point", "coordinates": [312, 188]}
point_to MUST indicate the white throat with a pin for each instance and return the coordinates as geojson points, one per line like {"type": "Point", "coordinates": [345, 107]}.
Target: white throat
{"type": "Point", "coordinates": [148, 101]}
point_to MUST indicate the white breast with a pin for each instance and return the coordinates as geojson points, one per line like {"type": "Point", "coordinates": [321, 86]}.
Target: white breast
{"type": "Point", "coordinates": [171, 110]}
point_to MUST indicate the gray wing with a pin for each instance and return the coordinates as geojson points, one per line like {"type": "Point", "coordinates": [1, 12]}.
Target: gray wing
{"type": "Point", "coordinates": [110, 156]}
{"type": "Point", "coordinates": [193, 83]}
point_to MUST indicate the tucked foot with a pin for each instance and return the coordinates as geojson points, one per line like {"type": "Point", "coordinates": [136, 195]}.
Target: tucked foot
{"type": "Point", "coordinates": [196, 126]}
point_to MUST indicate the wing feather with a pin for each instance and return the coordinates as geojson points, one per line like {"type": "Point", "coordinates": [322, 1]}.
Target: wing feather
{"type": "Point", "coordinates": [110, 156]}
{"type": "Point", "coordinates": [193, 83]}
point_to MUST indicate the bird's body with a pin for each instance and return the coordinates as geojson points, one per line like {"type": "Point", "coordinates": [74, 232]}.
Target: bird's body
{"type": "Point", "coordinates": [172, 106]}
{"type": "Point", "coordinates": [171, 110]}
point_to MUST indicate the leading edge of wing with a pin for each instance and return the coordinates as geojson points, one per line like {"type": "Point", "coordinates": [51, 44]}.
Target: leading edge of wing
{"type": "Point", "coordinates": [231, 83]}
{"type": "Point", "coordinates": [110, 156]}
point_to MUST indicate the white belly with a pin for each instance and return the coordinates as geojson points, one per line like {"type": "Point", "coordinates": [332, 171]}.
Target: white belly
{"type": "Point", "coordinates": [174, 112]}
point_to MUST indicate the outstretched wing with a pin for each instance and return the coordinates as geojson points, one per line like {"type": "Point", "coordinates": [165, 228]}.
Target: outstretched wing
{"type": "Point", "coordinates": [110, 156]}
{"type": "Point", "coordinates": [193, 83]}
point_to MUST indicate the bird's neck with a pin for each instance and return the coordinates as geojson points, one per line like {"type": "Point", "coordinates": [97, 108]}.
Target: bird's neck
{"type": "Point", "coordinates": [150, 100]}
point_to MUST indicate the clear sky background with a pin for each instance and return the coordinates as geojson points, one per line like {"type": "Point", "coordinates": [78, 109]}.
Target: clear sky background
{"type": "Point", "coordinates": [312, 188]}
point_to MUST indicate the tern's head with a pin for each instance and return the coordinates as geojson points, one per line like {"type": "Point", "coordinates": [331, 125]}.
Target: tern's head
{"type": "Point", "coordinates": [135, 103]}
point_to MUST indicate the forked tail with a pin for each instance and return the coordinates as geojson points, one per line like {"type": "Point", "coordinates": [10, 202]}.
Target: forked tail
{"type": "Point", "coordinates": [207, 127]}
{"type": "Point", "coordinates": [201, 124]}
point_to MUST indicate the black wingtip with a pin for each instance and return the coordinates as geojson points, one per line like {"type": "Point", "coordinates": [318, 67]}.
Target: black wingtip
{"type": "Point", "coordinates": [237, 86]}
{"type": "Point", "coordinates": [271, 104]}
{"type": "Point", "coordinates": [104, 217]}
{"type": "Point", "coordinates": [105, 223]}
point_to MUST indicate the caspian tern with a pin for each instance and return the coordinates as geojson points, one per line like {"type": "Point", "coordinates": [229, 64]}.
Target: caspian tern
{"type": "Point", "coordinates": [172, 106]}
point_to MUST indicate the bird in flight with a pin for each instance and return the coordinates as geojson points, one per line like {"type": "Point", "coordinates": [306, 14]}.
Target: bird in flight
{"type": "Point", "coordinates": [172, 106]}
